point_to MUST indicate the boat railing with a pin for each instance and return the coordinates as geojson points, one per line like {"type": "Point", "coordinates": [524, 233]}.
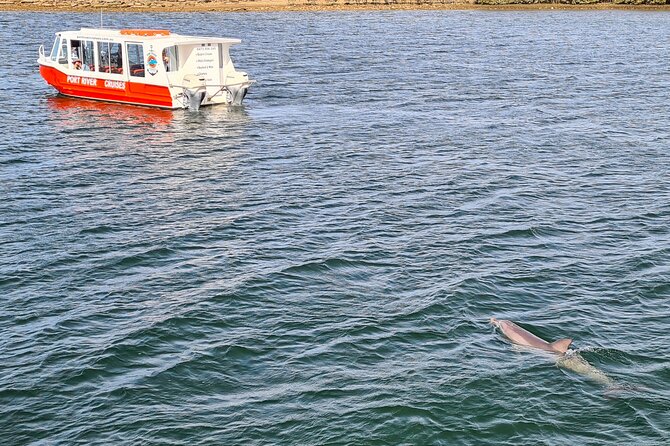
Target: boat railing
{"type": "Point", "coordinates": [41, 51]}
{"type": "Point", "coordinates": [222, 86]}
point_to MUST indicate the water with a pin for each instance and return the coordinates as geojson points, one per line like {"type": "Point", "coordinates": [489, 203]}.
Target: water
{"type": "Point", "coordinates": [319, 266]}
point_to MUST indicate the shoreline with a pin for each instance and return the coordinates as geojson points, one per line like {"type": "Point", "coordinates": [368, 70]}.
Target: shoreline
{"type": "Point", "coordinates": [305, 6]}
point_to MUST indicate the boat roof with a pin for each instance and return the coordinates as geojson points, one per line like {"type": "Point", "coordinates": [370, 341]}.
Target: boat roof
{"type": "Point", "coordinates": [153, 35]}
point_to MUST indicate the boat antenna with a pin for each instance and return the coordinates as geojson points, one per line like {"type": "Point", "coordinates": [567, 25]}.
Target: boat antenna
{"type": "Point", "coordinates": [101, 18]}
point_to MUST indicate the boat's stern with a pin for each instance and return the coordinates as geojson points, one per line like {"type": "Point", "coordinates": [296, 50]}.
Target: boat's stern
{"type": "Point", "coordinates": [201, 73]}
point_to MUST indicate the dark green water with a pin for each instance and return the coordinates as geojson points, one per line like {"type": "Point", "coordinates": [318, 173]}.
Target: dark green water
{"type": "Point", "coordinates": [319, 266]}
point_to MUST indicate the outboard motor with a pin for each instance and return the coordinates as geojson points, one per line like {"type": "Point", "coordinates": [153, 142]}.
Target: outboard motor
{"type": "Point", "coordinates": [195, 90]}
{"type": "Point", "coordinates": [237, 94]}
{"type": "Point", "coordinates": [195, 99]}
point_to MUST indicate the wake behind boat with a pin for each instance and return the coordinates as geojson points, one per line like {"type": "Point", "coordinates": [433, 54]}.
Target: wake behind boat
{"type": "Point", "coordinates": [144, 67]}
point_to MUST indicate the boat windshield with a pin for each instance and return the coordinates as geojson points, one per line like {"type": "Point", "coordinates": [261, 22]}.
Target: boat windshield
{"type": "Point", "coordinates": [54, 49]}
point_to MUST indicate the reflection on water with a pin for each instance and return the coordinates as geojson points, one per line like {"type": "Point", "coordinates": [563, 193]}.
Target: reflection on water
{"type": "Point", "coordinates": [72, 112]}
{"type": "Point", "coordinates": [214, 121]}
{"type": "Point", "coordinates": [161, 143]}
{"type": "Point", "coordinates": [164, 126]}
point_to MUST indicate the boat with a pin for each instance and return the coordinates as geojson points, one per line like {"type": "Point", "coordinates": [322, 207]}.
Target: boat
{"type": "Point", "coordinates": [149, 67]}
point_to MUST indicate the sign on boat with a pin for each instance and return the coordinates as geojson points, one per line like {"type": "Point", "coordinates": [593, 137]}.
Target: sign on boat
{"type": "Point", "coordinates": [144, 67]}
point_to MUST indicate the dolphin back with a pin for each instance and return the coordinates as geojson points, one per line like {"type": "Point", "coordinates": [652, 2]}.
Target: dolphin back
{"type": "Point", "coordinates": [577, 364]}
{"type": "Point", "coordinates": [561, 346]}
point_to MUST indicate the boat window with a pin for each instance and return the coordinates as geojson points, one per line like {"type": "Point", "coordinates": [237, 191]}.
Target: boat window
{"type": "Point", "coordinates": [81, 55]}
{"type": "Point", "coordinates": [62, 56]}
{"type": "Point", "coordinates": [54, 49]}
{"type": "Point", "coordinates": [87, 55]}
{"type": "Point", "coordinates": [103, 57]}
{"type": "Point", "coordinates": [224, 56]}
{"type": "Point", "coordinates": [171, 58]}
{"type": "Point", "coordinates": [135, 53]}
{"type": "Point", "coordinates": [109, 57]}
{"type": "Point", "coordinates": [75, 54]}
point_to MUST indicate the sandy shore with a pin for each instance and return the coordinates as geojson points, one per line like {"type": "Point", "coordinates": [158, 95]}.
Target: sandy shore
{"type": "Point", "coordinates": [300, 5]}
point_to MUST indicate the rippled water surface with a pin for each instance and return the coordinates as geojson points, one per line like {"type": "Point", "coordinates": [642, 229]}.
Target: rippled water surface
{"type": "Point", "coordinates": [319, 266]}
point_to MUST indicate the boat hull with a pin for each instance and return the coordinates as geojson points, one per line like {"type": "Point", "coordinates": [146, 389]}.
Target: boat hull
{"type": "Point", "coordinates": [89, 87]}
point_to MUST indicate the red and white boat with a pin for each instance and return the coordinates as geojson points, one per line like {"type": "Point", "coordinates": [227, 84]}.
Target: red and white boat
{"type": "Point", "coordinates": [144, 67]}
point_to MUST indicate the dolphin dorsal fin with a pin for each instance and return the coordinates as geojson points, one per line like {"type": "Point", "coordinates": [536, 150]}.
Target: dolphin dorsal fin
{"type": "Point", "coordinates": [561, 345]}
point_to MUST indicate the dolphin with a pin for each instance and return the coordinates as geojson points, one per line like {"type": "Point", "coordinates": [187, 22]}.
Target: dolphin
{"type": "Point", "coordinates": [574, 361]}
{"type": "Point", "coordinates": [567, 359]}
{"type": "Point", "coordinates": [520, 336]}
